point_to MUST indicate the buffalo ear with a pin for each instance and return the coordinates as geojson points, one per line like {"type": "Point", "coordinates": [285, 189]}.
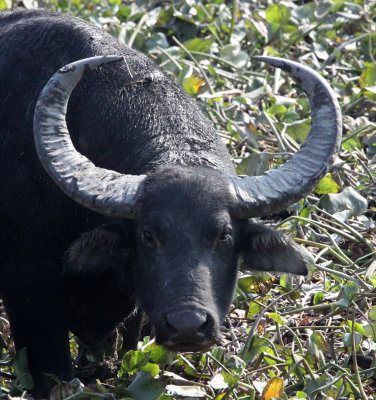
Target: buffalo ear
{"type": "Point", "coordinates": [97, 275]}
{"type": "Point", "coordinates": [264, 249]}
{"type": "Point", "coordinates": [96, 252]}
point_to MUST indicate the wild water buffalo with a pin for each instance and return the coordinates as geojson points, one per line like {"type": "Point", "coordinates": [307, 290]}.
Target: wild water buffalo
{"type": "Point", "coordinates": [156, 218]}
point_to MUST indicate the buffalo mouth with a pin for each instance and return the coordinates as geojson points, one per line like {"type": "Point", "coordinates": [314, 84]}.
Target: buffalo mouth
{"type": "Point", "coordinates": [189, 346]}
{"type": "Point", "coordinates": [187, 330]}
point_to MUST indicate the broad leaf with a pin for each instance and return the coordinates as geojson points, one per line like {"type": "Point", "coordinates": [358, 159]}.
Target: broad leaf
{"type": "Point", "coordinates": [253, 165]}
{"type": "Point", "coordinates": [274, 388]}
{"type": "Point", "coordinates": [277, 14]}
{"type": "Point", "coordinates": [144, 387]}
{"type": "Point", "coordinates": [277, 318]}
{"type": "Point", "coordinates": [327, 185]}
{"type": "Point", "coordinates": [234, 54]}
{"type": "Point", "coordinates": [348, 199]}
{"type": "Point", "coordinates": [21, 368]}
{"type": "Point", "coordinates": [368, 75]}
{"type": "Point", "coordinates": [193, 84]}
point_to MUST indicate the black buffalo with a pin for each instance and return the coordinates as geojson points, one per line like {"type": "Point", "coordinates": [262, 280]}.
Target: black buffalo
{"type": "Point", "coordinates": [157, 218]}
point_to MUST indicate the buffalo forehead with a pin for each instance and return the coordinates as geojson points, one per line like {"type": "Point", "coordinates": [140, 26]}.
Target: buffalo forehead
{"type": "Point", "coordinates": [186, 187]}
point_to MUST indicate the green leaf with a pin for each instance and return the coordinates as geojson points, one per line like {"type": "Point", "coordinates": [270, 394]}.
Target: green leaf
{"type": "Point", "coordinates": [277, 318]}
{"type": "Point", "coordinates": [347, 339]}
{"type": "Point", "coordinates": [235, 364]}
{"type": "Point", "coordinates": [234, 54]}
{"type": "Point", "coordinates": [256, 344]}
{"type": "Point", "coordinates": [305, 213]}
{"type": "Point", "coordinates": [133, 360]}
{"type": "Point", "coordinates": [271, 51]}
{"type": "Point", "coordinates": [327, 185]}
{"type": "Point", "coordinates": [164, 16]}
{"type": "Point", "coordinates": [230, 379]}
{"type": "Point", "coordinates": [323, 8]}
{"type": "Point", "coordinates": [253, 165]}
{"type": "Point", "coordinates": [185, 73]}
{"type": "Point", "coordinates": [253, 309]}
{"type": "Point", "coordinates": [197, 44]}
{"type": "Point", "coordinates": [357, 327]}
{"type": "Point", "coordinates": [370, 330]}
{"type": "Point", "coordinates": [305, 11]}
{"type": "Point", "coordinates": [319, 340]}
{"type": "Point", "coordinates": [371, 144]}
{"type": "Point", "coordinates": [315, 383]}
{"type": "Point", "coordinates": [318, 298]}
{"type": "Point", "coordinates": [160, 355]}
{"type": "Point", "coordinates": [156, 40]}
{"type": "Point", "coordinates": [152, 368]}
{"type": "Point", "coordinates": [368, 75]}
{"type": "Point", "coordinates": [348, 199]}
{"type": "Point", "coordinates": [193, 84]}
{"type": "Point", "coordinates": [3, 5]}
{"type": "Point", "coordinates": [373, 281]}
{"type": "Point", "coordinates": [298, 130]}
{"type": "Point", "coordinates": [350, 289]}
{"type": "Point", "coordinates": [255, 283]}
{"type": "Point", "coordinates": [278, 14]}
{"type": "Point", "coordinates": [351, 145]}
{"type": "Point", "coordinates": [21, 368]}
{"type": "Point", "coordinates": [372, 313]}
{"type": "Point", "coordinates": [314, 345]}
{"type": "Point", "coordinates": [188, 366]}
{"type": "Point", "coordinates": [144, 387]}
{"type": "Point", "coordinates": [348, 292]}
{"type": "Point", "coordinates": [123, 12]}
{"type": "Point", "coordinates": [277, 109]}
{"type": "Point", "coordinates": [266, 351]}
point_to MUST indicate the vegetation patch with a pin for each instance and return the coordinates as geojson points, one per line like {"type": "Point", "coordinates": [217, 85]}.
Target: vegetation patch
{"type": "Point", "coordinates": [283, 338]}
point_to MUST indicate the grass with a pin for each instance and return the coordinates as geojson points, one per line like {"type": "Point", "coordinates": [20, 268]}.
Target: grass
{"type": "Point", "coordinates": [284, 338]}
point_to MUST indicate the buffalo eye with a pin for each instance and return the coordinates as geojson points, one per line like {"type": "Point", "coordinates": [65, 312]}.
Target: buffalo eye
{"type": "Point", "coordinates": [148, 238]}
{"type": "Point", "coordinates": [226, 235]}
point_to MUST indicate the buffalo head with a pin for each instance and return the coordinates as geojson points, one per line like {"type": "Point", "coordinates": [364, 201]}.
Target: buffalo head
{"type": "Point", "coordinates": [183, 230]}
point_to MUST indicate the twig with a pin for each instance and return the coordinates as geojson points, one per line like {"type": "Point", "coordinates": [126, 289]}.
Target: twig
{"type": "Point", "coordinates": [137, 30]}
{"type": "Point", "coordinates": [355, 363]}
{"type": "Point", "coordinates": [342, 47]}
{"type": "Point", "coordinates": [258, 319]}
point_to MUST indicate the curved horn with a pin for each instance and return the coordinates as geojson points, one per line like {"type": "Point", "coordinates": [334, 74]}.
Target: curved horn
{"type": "Point", "coordinates": [277, 189]}
{"type": "Point", "coordinates": [98, 189]}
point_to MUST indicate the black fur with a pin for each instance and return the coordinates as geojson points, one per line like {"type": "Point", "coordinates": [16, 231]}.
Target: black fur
{"type": "Point", "coordinates": [178, 260]}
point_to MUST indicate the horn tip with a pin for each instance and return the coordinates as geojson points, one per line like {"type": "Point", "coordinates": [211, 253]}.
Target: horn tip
{"type": "Point", "coordinates": [282, 63]}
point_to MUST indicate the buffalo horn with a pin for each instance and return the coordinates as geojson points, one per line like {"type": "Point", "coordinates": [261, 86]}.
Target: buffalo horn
{"type": "Point", "coordinates": [277, 189]}
{"type": "Point", "coordinates": [98, 189]}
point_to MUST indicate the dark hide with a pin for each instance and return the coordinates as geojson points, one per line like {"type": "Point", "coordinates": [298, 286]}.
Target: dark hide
{"type": "Point", "coordinates": [98, 281]}
{"type": "Point", "coordinates": [179, 260]}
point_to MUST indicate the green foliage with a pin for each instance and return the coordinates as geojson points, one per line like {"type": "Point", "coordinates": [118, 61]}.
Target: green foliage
{"type": "Point", "coordinates": [278, 14]}
{"type": "Point", "coordinates": [302, 334]}
{"type": "Point", "coordinates": [192, 84]}
{"type": "Point", "coordinates": [327, 185]}
{"type": "Point", "coordinates": [348, 199]}
{"type": "Point", "coordinates": [144, 387]}
{"type": "Point", "coordinates": [277, 318]}
{"type": "Point", "coordinates": [3, 5]}
{"type": "Point", "coordinates": [24, 380]}
{"type": "Point", "coordinates": [368, 75]}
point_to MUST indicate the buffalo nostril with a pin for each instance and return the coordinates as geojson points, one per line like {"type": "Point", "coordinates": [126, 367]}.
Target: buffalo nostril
{"type": "Point", "coordinates": [187, 325]}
